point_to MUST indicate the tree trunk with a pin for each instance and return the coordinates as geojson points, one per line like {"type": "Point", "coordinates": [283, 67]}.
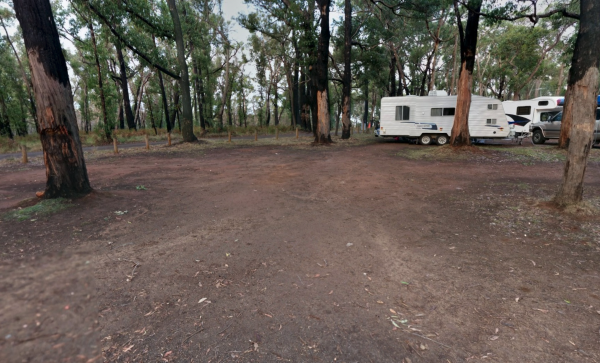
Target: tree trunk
{"type": "Point", "coordinates": [268, 103]}
{"type": "Point", "coordinates": [199, 103]}
{"type": "Point", "coordinates": [226, 90]}
{"type": "Point", "coordinates": [296, 86]}
{"type": "Point", "coordinates": [163, 95]}
{"type": "Point", "coordinates": [303, 100]}
{"type": "Point", "coordinates": [275, 106]}
{"type": "Point", "coordinates": [107, 126]}
{"type": "Point", "coordinates": [580, 104]}
{"type": "Point", "coordinates": [66, 172]}
{"type": "Point", "coordinates": [468, 49]}
{"type": "Point", "coordinates": [322, 134]}
{"type": "Point", "coordinates": [5, 129]}
{"type": "Point", "coordinates": [175, 110]}
{"type": "Point", "coordinates": [337, 118]}
{"type": "Point", "coordinates": [125, 87]}
{"type": "Point", "coordinates": [187, 120]}
{"type": "Point", "coordinates": [560, 80]}
{"type": "Point", "coordinates": [392, 76]}
{"type": "Point", "coordinates": [366, 111]}
{"type": "Point", "coordinates": [152, 122]}
{"type": "Point", "coordinates": [347, 81]}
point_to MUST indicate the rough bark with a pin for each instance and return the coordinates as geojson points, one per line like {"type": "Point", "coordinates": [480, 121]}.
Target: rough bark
{"type": "Point", "coordinates": [347, 80]}
{"type": "Point", "coordinates": [468, 49]}
{"type": "Point", "coordinates": [583, 86]}
{"type": "Point", "coordinates": [187, 118]}
{"type": "Point", "coordinates": [124, 87]}
{"type": "Point", "coordinates": [66, 172]}
{"type": "Point", "coordinates": [322, 134]}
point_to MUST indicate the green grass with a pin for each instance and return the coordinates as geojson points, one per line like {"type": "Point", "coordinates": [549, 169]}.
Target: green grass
{"type": "Point", "coordinates": [43, 208]}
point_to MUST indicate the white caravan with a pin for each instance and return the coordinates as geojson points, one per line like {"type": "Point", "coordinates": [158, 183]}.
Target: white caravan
{"type": "Point", "coordinates": [520, 114]}
{"type": "Point", "coordinates": [430, 118]}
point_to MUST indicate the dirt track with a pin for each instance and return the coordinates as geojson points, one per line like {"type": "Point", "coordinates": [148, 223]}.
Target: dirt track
{"type": "Point", "coordinates": [319, 254]}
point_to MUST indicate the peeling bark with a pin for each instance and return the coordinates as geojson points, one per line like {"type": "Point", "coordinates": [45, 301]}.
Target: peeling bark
{"type": "Point", "coordinates": [322, 130]}
{"type": "Point", "coordinates": [468, 48]}
{"type": "Point", "coordinates": [66, 172]}
{"type": "Point", "coordinates": [580, 104]}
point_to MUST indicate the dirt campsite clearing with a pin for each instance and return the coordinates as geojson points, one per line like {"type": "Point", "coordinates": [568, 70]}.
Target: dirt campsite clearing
{"type": "Point", "coordinates": [372, 251]}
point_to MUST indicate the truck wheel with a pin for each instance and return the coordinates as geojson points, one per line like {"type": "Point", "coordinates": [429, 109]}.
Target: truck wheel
{"type": "Point", "coordinates": [425, 140]}
{"type": "Point", "coordinates": [538, 137]}
{"type": "Point", "coordinates": [442, 140]}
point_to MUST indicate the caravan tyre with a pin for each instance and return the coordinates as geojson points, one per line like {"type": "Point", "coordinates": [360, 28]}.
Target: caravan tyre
{"type": "Point", "coordinates": [538, 137]}
{"type": "Point", "coordinates": [442, 140]}
{"type": "Point", "coordinates": [425, 139]}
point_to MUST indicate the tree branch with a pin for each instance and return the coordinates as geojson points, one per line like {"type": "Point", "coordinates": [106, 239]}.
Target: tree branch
{"type": "Point", "coordinates": [129, 45]}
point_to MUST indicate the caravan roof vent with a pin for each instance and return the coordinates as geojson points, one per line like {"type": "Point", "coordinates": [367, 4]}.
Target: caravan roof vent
{"type": "Point", "coordinates": [438, 93]}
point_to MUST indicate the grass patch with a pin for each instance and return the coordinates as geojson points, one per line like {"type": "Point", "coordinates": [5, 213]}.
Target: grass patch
{"type": "Point", "coordinates": [532, 154]}
{"type": "Point", "coordinates": [431, 152]}
{"type": "Point", "coordinates": [43, 208]}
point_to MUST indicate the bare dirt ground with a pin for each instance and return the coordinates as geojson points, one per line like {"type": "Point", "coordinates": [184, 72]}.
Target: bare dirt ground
{"type": "Point", "coordinates": [371, 253]}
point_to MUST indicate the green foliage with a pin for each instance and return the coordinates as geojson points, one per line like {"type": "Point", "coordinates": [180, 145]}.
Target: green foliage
{"type": "Point", "coordinates": [41, 209]}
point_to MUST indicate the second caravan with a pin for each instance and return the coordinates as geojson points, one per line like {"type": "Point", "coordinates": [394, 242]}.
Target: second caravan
{"type": "Point", "coordinates": [521, 114]}
{"type": "Point", "coordinates": [430, 118]}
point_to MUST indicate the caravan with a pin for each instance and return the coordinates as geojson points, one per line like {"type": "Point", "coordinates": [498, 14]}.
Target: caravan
{"type": "Point", "coordinates": [430, 118]}
{"type": "Point", "coordinates": [521, 114]}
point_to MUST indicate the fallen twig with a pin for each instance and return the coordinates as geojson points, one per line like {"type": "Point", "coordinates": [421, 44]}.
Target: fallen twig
{"type": "Point", "coordinates": [191, 335]}
{"type": "Point", "coordinates": [435, 341]}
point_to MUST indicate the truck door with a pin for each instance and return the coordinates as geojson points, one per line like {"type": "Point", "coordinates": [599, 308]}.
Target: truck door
{"type": "Point", "coordinates": [553, 127]}
{"type": "Point", "coordinates": [597, 128]}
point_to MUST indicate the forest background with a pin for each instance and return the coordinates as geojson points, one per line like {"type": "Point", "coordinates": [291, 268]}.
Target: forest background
{"type": "Point", "coordinates": [251, 63]}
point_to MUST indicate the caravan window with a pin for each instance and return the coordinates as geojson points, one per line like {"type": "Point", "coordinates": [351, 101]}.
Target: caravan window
{"type": "Point", "coordinates": [442, 111]}
{"type": "Point", "coordinates": [493, 106]}
{"type": "Point", "coordinates": [543, 103]}
{"type": "Point", "coordinates": [491, 121]}
{"type": "Point", "coordinates": [402, 113]}
{"type": "Point", "coordinates": [449, 111]}
{"type": "Point", "coordinates": [524, 110]}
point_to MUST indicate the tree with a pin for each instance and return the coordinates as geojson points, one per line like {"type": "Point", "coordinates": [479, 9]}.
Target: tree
{"type": "Point", "coordinates": [468, 47]}
{"type": "Point", "coordinates": [347, 78]}
{"type": "Point", "coordinates": [581, 102]}
{"type": "Point", "coordinates": [66, 172]}
{"type": "Point", "coordinates": [322, 135]}
{"type": "Point", "coordinates": [187, 118]}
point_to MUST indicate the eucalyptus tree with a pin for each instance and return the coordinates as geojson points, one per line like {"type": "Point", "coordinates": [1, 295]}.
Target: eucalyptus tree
{"type": "Point", "coordinates": [66, 172]}
{"type": "Point", "coordinates": [580, 103]}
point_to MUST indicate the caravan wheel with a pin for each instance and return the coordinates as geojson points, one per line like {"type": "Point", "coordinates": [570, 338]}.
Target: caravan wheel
{"type": "Point", "coordinates": [425, 139]}
{"type": "Point", "coordinates": [442, 140]}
